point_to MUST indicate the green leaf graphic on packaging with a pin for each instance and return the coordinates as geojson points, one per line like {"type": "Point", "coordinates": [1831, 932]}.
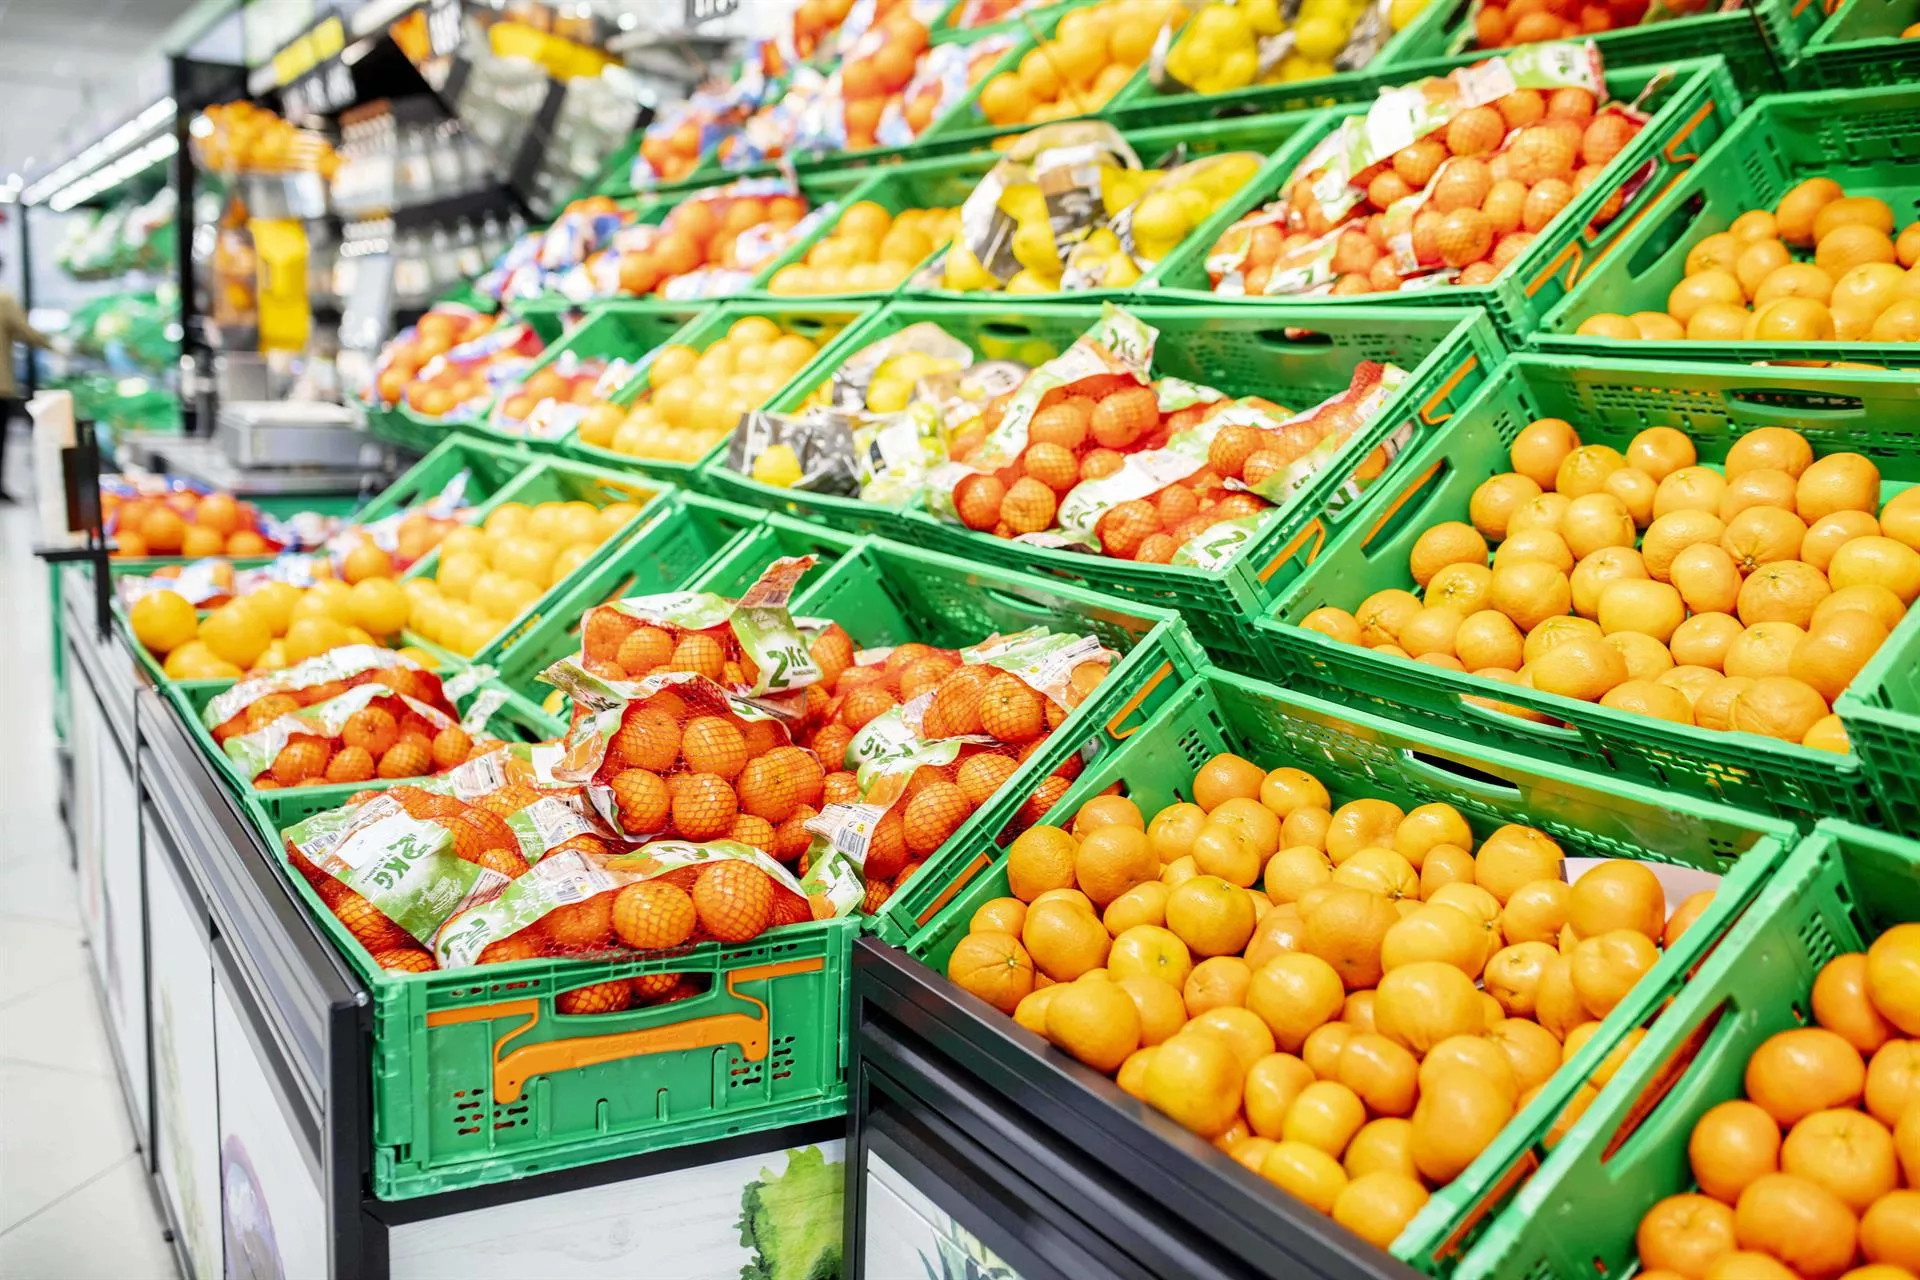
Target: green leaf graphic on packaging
{"type": "Point", "coordinates": [561, 880]}
{"type": "Point", "coordinates": [404, 866]}
{"type": "Point", "coordinates": [253, 753]}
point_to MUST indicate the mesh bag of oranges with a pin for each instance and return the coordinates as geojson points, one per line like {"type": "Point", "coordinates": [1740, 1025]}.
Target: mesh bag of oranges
{"type": "Point", "coordinates": [1445, 182]}
{"type": "Point", "coordinates": [888, 86]}
{"type": "Point", "coordinates": [551, 402]}
{"type": "Point", "coordinates": [1499, 24]}
{"type": "Point", "coordinates": [921, 737]}
{"type": "Point", "coordinates": [394, 866]}
{"type": "Point", "coordinates": [1351, 1000]}
{"type": "Point", "coordinates": [444, 327]}
{"type": "Point", "coordinates": [664, 895]}
{"type": "Point", "coordinates": [349, 715]}
{"type": "Point", "coordinates": [1091, 452]}
{"type": "Point", "coordinates": [674, 143]}
{"type": "Point", "coordinates": [749, 646]}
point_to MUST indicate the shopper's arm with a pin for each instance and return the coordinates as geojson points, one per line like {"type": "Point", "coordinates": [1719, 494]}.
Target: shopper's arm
{"type": "Point", "coordinates": [13, 321]}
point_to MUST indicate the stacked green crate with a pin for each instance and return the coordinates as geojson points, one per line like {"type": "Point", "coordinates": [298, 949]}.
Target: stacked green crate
{"type": "Point", "coordinates": [1360, 755]}
{"type": "Point", "coordinates": [1835, 893]}
{"type": "Point", "coordinates": [1294, 354]}
{"type": "Point", "coordinates": [1861, 43]}
{"type": "Point", "coordinates": [1863, 140]}
{"type": "Point", "coordinates": [1608, 402]}
{"type": "Point", "coordinates": [1690, 104]}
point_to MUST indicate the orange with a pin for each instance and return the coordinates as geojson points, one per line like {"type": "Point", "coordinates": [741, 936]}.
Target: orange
{"type": "Point", "coordinates": [1435, 932]}
{"type": "Point", "coordinates": [1377, 1206]}
{"type": "Point", "coordinates": [1646, 657]}
{"type": "Point", "coordinates": [1426, 826]}
{"type": "Point", "coordinates": [1635, 490]}
{"type": "Point", "coordinates": [1252, 820]}
{"type": "Point", "coordinates": [1194, 1079]}
{"type": "Point", "coordinates": [1345, 929]}
{"type": "Point", "coordinates": [1380, 1073]}
{"type": "Point", "coordinates": [1272, 1084]}
{"type": "Point", "coordinates": [1606, 967]}
{"type": "Point", "coordinates": [1617, 894]}
{"type": "Point", "coordinates": [1731, 1145]}
{"type": "Point", "coordinates": [1111, 860]}
{"type": "Point", "coordinates": [1106, 811]}
{"type": "Point", "coordinates": [1064, 939]}
{"type": "Point", "coordinates": [1851, 245]}
{"type": "Point", "coordinates": [1900, 518]}
{"type": "Point", "coordinates": [1161, 1011]}
{"type": "Point", "coordinates": [1172, 831]}
{"type": "Point", "coordinates": [1582, 667]}
{"type": "Point", "coordinates": [1450, 542]}
{"type": "Point", "coordinates": [1531, 1051]}
{"type": "Point", "coordinates": [1362, 824]}
{"type": "Point", "coordinates": [1420, 1004]}
{"type": "Point", "coordinates": [1096, 1022]}
{"type": "Point", "coordinates": [1323, 1048]}
{"type": "Point", "coordinates": [1529, 592]}
{"type": "Point", "coordinates": [1597, 571]}
{"type": "Point", "coordinates": [1306, 1173]}
{"type": "Point", "coordinates": [993, 966]}
{"type": "Point", "coordinates": [1703, 288]}
{"type": "Point", "coordinates": [1286, 789]}
{"type": "Point", "coordinates": [1831, 655]}
{"type": "Point", "coordinates": [1807, 1069]}
{"type": "Point", "coordinates": [1685, 1234]}
{"type": "Point", "coordinates": [1040, 858]}
{"type": "Point", "coordinates": [1763, 650]}
{"type": "Point", "coordinates": [1537, 451]}
{"type": "Point", "coordinates": [1294, 870]}
{"type": "Point", "coordinates": [1837, 482]}
{"type": "Point", "coordinates": [1848, 1153]}
{"type": "Point", "coordinates": [1005, 915]}
{"type": "Point", "coordinates": [1554, 632]}
{"type": "Point", "coordinates": [1381, 615]}
{"type": "Point", "coordinates": [1778, 707]}
{"type": "Point", "coordinates": [1878, 601]}
{"type": "Point", "coordinates": [1691, 488]}
{"type": "Point", "coordinates": [1684, 916]}
{"type": "Point", "coordinates": [1242, 1030]}
{"type": "Point", "coordinates": [1212, 916]}
{"type": "Point", "coordinates": [1294, 994]}
{"type": "Point", "coordinates": [1584, 470]}
{"type": "Point", "coordinates": [1650, 608]}
{"type": "Point", "coordinates": [1890, 1230]}
{"type": "Point", "coordinates": [1278, 930]}
{"type": "Point", "coordinates": [1144, 904]}
{"type": "Point", "coordinates": [1495, 501]}
{"type": "Point", "coordinates": [1535, 911]}
{"type": "Point", "coordinates": [1878, 561]}
{"type": "Point", "coordinates": [1149, 951]}
{"type": "Point", "coordinates": [1224, 777]}
{"type": "Point", "coordinates": [1828, 534]}
{"type": "Point", "coordinates": [1892, 1079]}
{"type": "Point", "coordinates": [1217, 981]}
{"type": "Point", "coordinates": [1032, 1011]}
{"type": "Point", "coordinates": [1445, 864]}
{"type": "Point", "coordinates": [1799, 1222]}
{"type": "Point", "coordinates": [1326, 1114]}
{"type": "Point", "coordinates": [1380, 871]}
{"type": "Point", "coordinates": [1513, 974]}
{"type": "Point", "coordinates": [1893, 963]}
{"type": "Point", "coordinates": [1458, 1115]}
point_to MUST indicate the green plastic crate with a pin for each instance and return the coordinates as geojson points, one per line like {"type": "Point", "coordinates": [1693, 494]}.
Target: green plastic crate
{"type": "Point", "coordinates": [1424, 39]}
{"type": "Point", "coordinates": [478, 1078]}
{"type": "Point", "coordinates": [1039, 17]}
{"type": "Point", "coordinates": [395, 425]}
{"type": "Point", "coordinates": [1608, 402]}
{"type": "Point", "coordinates": [818, 320]}
{"type": "Point", "coordinates": [675, 550]}
{"type": "Point", "coordinates": [1294, 354]}
{"type": "Point", "coordinates": [1356, 754]}
{"type": "Point", "coordinates": [1859, 45]}
{"type": "Point", "coordinates": [885, 594]}
{"type": "Point", "coordinates": [1881, 712]}
{"type": "Point", "coordinates": [1837, 891]}
{"type": "Point", "coordinates": [551, 479]}
{"type": "Point", "coordinates": [515, 720]}
{"type": "Point", "coordinates": [1692, 103]}
{"type": "Point", "coordinates": [1864, 140]}
{"type": "Point", "coordinates": [939, 182]}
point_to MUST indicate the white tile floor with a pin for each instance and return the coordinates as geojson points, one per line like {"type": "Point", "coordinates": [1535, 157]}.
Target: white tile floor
{"type": "Point", "coordinates": [74, 1202]}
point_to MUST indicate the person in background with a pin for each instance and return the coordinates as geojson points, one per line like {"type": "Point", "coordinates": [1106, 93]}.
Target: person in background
{"type": "Point", "coordinates": [13, 328]}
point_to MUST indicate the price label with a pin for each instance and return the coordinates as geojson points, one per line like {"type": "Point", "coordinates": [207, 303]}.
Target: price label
{"type": "Point", "coordinates": [321, 93]}
{"type": "Point", "coordinates": [699, 11]}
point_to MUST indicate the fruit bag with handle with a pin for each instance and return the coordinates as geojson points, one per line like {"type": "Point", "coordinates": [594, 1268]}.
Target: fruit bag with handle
{"type": "Point", "coordinates": [551, 402]}
{"type": "Point", "coordinates": [369, 730]}
{"type": "Point", "coordinates": [664, 895]}
{"type": "Point", "coordinates": [1443, 181]}
{"type": "Point", "coordinates": [919, 738]}
{"type": "Point", "coordinates": [319, 679]}
{"type": "Point", "coordinates": [748, 646]}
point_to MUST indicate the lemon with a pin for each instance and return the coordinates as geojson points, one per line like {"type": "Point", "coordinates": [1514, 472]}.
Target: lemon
{"type": "Point", "coordinates": [162, 620]}
{"type": "Point", "coordinates": [778, 466]}
{"type": "Point", "coordinates": [1034, 248]}
{"type": "Point", "coordinates": [1320, 37]}
{"type": "Point", "coordinates": [964, 273]}
{"type": "Point", "coordinates": [1028, 282]}
{"type": "Point", "coordinates": [1401, 13]}
{"type": "Point", "coordinates": [274, 602]}
{"type": "Point", "coordinates": [272, 658]}
{"type": "Point", "coordinates": [1121, 272]}
{"type": "Point", "coordinates": [235, 634]}
{"type": "Point", "coordinates": [1161, 219]}
{"type": "Point", "coordinates": [380, 605]}
{"type": "Point", "coordinates": [1264, 16]}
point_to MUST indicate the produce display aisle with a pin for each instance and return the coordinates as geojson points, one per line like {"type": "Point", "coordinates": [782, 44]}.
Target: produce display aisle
{"type": "Point", "coordinates": [1137, 674]}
